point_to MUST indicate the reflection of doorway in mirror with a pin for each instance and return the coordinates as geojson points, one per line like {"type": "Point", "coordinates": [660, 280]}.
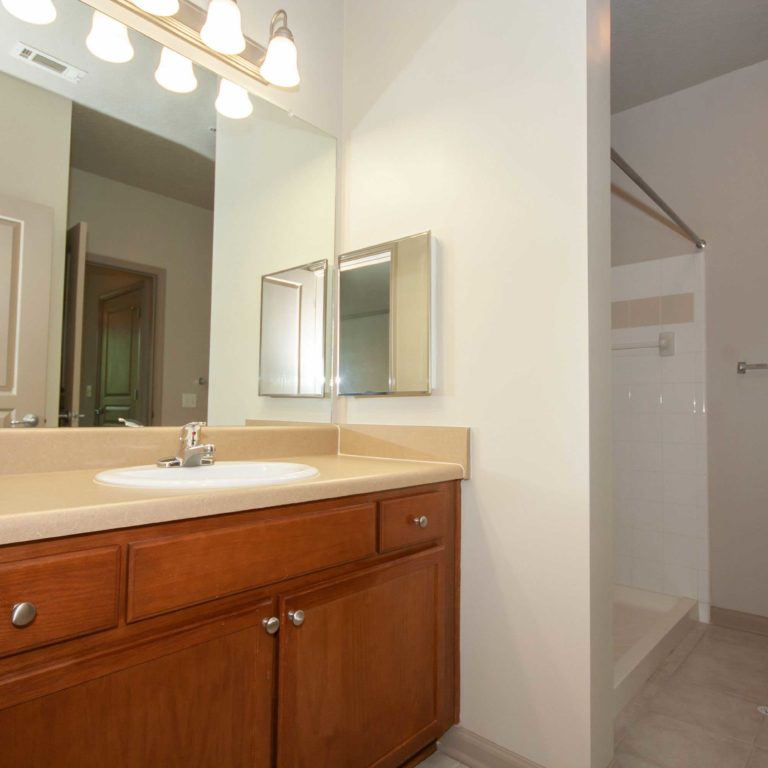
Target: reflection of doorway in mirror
{"type": "Point", "coordinates": [117, 316]}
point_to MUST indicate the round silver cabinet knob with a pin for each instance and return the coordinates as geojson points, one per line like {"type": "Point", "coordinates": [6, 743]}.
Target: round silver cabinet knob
{"type": "Point", "coordinates": [271, 625]}
{"type": "Point", "coordinates": [297, 617]}
{"type": "Point", "coordinates": [422, 521]}
{"type": "Point", "coordinates": [23, 614]}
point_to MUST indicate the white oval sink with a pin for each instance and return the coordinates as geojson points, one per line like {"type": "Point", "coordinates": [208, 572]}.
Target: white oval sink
{"type": "Point", "coordinates": [222, 474]}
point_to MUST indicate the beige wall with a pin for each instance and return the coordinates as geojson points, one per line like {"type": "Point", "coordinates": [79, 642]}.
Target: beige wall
{"type": "Point", "coordinates": [704, 149]}
{"type": "Point", "coordinates": [133, 225]}
{"type": "Point", "coordinates": [275, 209]}
{"type": "Point", "coordinates": [34, 166]}
{"type": "Point", "coordinates": [471, 119]}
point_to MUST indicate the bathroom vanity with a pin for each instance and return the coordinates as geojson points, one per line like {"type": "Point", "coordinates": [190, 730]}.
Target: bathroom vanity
{"type": "Point", "coordinates": [321, 633]}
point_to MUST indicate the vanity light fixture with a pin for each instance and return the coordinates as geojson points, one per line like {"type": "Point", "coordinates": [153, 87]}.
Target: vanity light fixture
{"type": "Point", "coordinates": [233, 101]}
{"type": "Point", "coordinates": [223, 28]}
{"type": "Point", "coordinates": [175, 72]}
{"type": "Point", "coordinates": [280, 66]}
{"type": "Point", "coordinates": [31, 11]}
{"type": "Point", "coordinates": [108, 39]}
{"type": "Point", "coordinates": [158, 7]}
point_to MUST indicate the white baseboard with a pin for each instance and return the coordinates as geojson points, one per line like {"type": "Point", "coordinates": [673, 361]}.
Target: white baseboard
{"type": "Point", "coordinates": [476, 752]}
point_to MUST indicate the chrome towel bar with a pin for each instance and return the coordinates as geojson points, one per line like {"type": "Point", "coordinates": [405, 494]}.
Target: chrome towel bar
{"type": "Point", "coordinates": [665, 345]}
{"type": "Point", "coordinates": [743, 367]}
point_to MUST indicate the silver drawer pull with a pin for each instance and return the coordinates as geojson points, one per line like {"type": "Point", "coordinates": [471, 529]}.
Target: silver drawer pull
{"type": "Point", "coordinates": [23, 614]}
{"type": "Point", "coordinates": [422, 521]}
{"type": "Point", "coordinates": [271, 625]}
{"type": "Point", "coordinates": [297, 617]}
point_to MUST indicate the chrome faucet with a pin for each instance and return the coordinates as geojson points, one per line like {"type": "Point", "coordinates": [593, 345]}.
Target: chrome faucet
{"type": "Point", "coordinates": [191, 453]}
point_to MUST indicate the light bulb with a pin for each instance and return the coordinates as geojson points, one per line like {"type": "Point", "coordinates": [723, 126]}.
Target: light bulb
{"type": "Point", "coordinates": [280, 65]}
{"type": "Point", "coordinates": [158, 7]}
{"type": "Point", "coordinates": [223, 28]}
{"type": "Point", "coordinates": [175, 72]}
{"type": "Point", "coordinates": [108, 39]}
{"type": "Point", "coordinates": [233, 101]}
{"type": "Point", "coordinates": [31, 11]}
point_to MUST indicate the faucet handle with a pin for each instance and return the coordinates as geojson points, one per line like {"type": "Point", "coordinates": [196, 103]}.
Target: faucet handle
{"type": "Point", "coordinates": [190, 433]}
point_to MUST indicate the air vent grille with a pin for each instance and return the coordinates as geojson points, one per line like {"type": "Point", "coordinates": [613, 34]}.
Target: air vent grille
{"type": "Point", "coordinates": [47, 62]}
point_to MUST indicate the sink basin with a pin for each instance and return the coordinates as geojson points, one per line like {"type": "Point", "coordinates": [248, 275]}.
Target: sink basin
{"type": "Point", "coordinates": [222, 474]}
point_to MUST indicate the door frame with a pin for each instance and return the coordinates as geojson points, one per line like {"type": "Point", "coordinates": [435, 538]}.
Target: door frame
{"type": "Point", "coordinates": [157, 277]}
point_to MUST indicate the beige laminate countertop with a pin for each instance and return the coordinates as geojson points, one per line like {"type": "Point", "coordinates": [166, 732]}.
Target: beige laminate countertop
{"type": "Point", "coordinates": [46, 505]}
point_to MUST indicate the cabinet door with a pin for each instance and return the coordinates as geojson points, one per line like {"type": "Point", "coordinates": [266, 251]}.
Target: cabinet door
{"type": "Point", "coordinates": [362, 680]}
{"type": "Point", "coordinates": [202, 701]}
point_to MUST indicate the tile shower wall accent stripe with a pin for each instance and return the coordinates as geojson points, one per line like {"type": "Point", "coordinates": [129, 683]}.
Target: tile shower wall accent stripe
{"type": "Point", "coordinates": [653, 310]}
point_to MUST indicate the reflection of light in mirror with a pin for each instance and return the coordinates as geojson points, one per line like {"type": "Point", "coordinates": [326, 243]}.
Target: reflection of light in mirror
{"type": "Point", "coordinates": [31, 11]}
{"type": "Point", "coordinates": [223, 28]}
{"type": "Point", "coordinates": [108, 40]}
{"type": "Point", "coordinates": [233, 101]}
{"type": "Point", "coordinates": [175, 72]}
{"type": "Point", "coordinates": [158, 7]}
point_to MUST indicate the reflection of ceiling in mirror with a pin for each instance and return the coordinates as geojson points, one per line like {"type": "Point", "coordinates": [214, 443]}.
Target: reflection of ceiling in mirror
{"type": "Point", "coordinates": [127, 92]}
{"type": "Point", "coordinates": [121, 152]}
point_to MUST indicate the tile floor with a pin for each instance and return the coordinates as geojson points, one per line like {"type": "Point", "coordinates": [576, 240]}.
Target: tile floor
{"type": "Point", "coordinates": [441, 761]}
{"type": "Point", "coordinates": [700, 709]}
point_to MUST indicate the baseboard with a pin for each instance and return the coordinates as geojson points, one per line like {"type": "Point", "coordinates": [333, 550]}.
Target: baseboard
{"type": "Point", "coordinates": [475, 751]}
{"type": "Point", "coordinates": [745, 622]}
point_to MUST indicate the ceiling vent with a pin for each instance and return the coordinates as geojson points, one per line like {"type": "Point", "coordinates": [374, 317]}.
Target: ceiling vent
{"type": "Point", "coordinates": [47, 62]}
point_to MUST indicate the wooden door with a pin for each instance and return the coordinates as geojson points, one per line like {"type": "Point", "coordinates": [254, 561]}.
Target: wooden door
{"type": "Point", "coordinates": [72, 341]}
{"type": "Point", "coordinates": [204, 700]}
{"type": "Point", "coordinates": [361, 681]}
{"type": "Point", "coordinates": [124, 331]}
{"type": "Point", "coordinates": [26, 247]}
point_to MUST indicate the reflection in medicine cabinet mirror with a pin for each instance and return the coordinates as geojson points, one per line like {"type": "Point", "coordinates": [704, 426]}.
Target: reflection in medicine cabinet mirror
{"type": "Point", "coordinates": [385, 318]}
{"type": "Point", "coordinates": [135, 226]}
{"type": "Point", "coordinates": [293, 332]}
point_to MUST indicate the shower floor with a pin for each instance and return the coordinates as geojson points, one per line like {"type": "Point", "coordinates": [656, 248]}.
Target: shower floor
{"type": "Point", "coordinates": [646, 627]}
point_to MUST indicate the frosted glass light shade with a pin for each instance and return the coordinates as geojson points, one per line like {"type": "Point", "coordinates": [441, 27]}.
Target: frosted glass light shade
{"type": "Point", "coordinates": [233, 101]}
{"type": "Point", "coordinates": [158, 7]}
{"type": "Point", "coordinates": [175, 72]}
{"type": "Point", "coordinates": [223, 28]}
{"type": "Point", "coordinates": [108, 40]}
{"type": "Point", "coordinates": [280, 65]}
{"type": "Point", "coordinates": [31, 11]}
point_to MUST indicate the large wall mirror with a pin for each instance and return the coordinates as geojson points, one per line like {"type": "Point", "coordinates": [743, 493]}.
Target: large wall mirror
{"type": "Point", "coordinates": [136, 224]}
{"type": "Point", "coordinates": [384, 319]}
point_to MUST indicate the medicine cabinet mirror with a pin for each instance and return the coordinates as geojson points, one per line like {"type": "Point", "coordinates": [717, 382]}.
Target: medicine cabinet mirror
{"type": "Point", "coordinates": [136, 224]}
{"type": "Point", "coordinates": [384, 319]}
{"type": "Point", "coordinates": [292, 355]}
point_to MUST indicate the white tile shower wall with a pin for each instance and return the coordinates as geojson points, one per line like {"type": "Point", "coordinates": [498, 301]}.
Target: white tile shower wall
{"type": "Point", "coordinates": [660, 439]}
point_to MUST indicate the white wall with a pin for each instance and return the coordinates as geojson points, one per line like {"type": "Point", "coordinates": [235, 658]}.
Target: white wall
{"type": "Point", "coordinates": [470, 119]}
{"type": "Point", "coordinates": [34, 166]}
{"type": "Point", "coordinates": [660, 433]}
{"type": "Point", "coordinates": [275, 195]}
{"type": "Point", "coordinates": [704, 149]}
{"type": "Point", "coordinates": [134, 225]}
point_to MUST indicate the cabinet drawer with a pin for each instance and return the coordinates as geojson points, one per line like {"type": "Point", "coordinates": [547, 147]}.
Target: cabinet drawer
{"type": "Point", "coordinates": [399, 520]}
{"type": "Point", "coordinates": [73, 594]}
{"type": "Point", "coordinates": [174, 572]}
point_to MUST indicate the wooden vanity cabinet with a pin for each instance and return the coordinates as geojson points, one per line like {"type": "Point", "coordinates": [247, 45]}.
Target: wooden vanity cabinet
{"type": "Point", "coordinates": [362, 672]}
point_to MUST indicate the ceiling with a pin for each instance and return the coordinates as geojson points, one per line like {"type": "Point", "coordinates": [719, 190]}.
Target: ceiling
{"type": "Point", "coordinates": [116, 150]}
{"type": "Point", "coordinates": [663, 46]}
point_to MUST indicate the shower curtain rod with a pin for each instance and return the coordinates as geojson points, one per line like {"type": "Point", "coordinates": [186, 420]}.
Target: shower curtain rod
{"type": "Point", "coordinates": [699, 242]}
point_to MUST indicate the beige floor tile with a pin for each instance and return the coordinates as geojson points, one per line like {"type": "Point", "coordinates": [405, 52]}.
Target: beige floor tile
{"type": "Point", "coordinates": [759, 759]}
{"type": "Point", "coordinates": [674, 744]}
{"type": "Point", "coordinates": [719, 713]}
{"type": "Point", "coordinates": [749, 640]}
{"type": "Point", "coordinates": [675, 659]}
{"type": "Point", "coordinates": [440, 761]}
{"type": "Point", "coordinates": [762, 736]}
{"type": "Point", "coordinates": [728, 666]}
{"type": "Point", "coordinates": [625, 760]}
